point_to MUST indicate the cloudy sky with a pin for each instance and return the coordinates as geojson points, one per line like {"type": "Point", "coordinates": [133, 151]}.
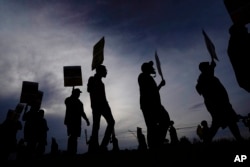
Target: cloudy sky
{"type": "Point", "coordinates": [39, 37]}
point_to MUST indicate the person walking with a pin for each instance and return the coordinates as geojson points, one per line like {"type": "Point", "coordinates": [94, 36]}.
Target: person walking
{"type": "Point", "coordinates": [156, 117]}
{"type": "Point", "coordinates": [100, 107]}
{"type": "Point", "coordinates": [73, 115]}
{"type": "Point", "coordinates": [216, 101]}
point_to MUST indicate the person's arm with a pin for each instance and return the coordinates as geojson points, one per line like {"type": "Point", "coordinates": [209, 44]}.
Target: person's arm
{"type": "Point", "coordinates": [213, 64]}
{"type": "Point", "coordinates": [84, 116]}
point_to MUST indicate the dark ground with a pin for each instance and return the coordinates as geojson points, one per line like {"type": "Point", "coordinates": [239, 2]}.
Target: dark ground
{"type": "Point", "coordinates": [217, 154]}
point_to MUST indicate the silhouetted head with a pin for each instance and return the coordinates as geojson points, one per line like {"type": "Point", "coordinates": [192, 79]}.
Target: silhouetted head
{"type": "Point", "coordinates": [204, 123]}
{"type": "Point", "coordinates": [41, 113]}
{"type": "Point", "coordinates": [76, 92]}
{"type": "Point", "coordinates": [204, 66]}
{"type": "Point", "coordinates": [101, 71]}
{"type": "Point", "coordinates": [171, 122]}
{"type": "Point", "coordinates": [148, 68]}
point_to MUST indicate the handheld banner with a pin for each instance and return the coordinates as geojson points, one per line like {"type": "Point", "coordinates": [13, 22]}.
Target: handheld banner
{"type": "Point", "coordinates": [158, 65]}
{"type": "Point", "coordinates": [72, 75]}
{"type": "Point", "coordinates": [210, 46]}
{"type": "Point", "coordinates": [29, 91]}
{"type": "Point", "coordinates": [98, 55]}
{"type": "Point", "coordinates": [37, 101]}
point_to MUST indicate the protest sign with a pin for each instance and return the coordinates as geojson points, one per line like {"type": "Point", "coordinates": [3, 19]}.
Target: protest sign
{"type": "Point", "coordinates": [72, 75]}
{"type": "Point", "coordinates": [98, 55]}
{"type": "Point", "coordinates": [29, 92]}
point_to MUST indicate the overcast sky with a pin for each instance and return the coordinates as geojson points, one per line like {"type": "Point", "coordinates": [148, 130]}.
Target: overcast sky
{"type": "Point", "coordinates": [39, 37]}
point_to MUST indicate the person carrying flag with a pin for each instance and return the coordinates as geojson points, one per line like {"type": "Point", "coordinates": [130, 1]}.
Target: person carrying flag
{"type": "Point", "coordinates": [156, 117]}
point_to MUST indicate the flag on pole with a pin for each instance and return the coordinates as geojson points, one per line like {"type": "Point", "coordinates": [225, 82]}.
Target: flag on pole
{"type": "Point", "coordinates": [210, 46]}
{"type": "Point", "coordinates": [98, 55]}
{"type": "Point", "coordinates": [158, 64]}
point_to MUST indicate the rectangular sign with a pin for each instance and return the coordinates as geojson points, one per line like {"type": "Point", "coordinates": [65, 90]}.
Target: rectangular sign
{"type": "Point", "coordinates": [72, 75]}
{"type": "Point", "coordinates": [29, 91]}
{"type": "Point", "coordinates": [98, 55]}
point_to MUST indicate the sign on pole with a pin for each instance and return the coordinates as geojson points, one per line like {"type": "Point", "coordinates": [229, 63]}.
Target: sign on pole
{"type": "Point", "coordinates": [239, 10]}
{"type": "Point", "coordinates": [72, 75]}
{"type": "Point", "coordinates": [158, 65]}
{"type": "Point", "coordinates": [29, 92]}
{"type": "Point", "coordinates": [98, 55]}
{"type": "Point", "coordinates": [210, 46]}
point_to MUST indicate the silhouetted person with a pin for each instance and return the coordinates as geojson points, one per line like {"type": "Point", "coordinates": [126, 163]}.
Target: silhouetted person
{"type": "Point", "coordinates": [31, 128]}
{"type": "Point", "coordinates": [73, 115]}
{"type": "Point", "coordinates": [100, 107]}
{"type": "Point", "coordinates": [203, 131]}
{"type": "Point", "coordinates": [21, 150]}
{"type": "Point", "coordinates": [141, 140]}
{"type": "Point", "coordinates": [54, 149]}
{"type": "Point", "coordinates": [8, 131]}
{"type": "Point", "coordinates": [216, 101]}
{"type": "Point", "coordinates": [239, 52]}
{"type": "Point", "coordinates": [42, 129]}
{"type": "Point", "coordinates": [155, 116]}
{"type": "Point", "coordinates": [173, 134]}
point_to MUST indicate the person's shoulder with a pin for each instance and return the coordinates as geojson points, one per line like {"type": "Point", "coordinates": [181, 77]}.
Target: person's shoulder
{"type": "Point", "coordinates": [142, 75]}
{"type": "Point", "coordinates": [91, 79]}
{"type": "Point", "coordinates": [67, 99]}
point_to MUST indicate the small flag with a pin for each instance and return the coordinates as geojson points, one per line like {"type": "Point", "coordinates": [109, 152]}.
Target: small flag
{"type": "Point", "coordinates": [98, 55]}
{"type": "Point", "coordinates": [210, 46]}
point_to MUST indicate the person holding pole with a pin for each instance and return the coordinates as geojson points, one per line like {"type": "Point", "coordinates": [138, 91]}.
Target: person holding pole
{"type": "Point", "coordinates": [156, 117]}
{"type": "Point", "coordinates": [215, 97]}
{"type": "Point", "coordinates": [73, 115]}
{"type": "Point", "coordinates": [100, 107]}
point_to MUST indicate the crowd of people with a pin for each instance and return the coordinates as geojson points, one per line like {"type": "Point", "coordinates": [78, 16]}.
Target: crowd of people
{"type": "Point", "coordinates": [156, 117]}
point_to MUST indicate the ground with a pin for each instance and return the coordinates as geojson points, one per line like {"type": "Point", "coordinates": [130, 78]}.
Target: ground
{"type": "Point", "coordinates": [222, 153]}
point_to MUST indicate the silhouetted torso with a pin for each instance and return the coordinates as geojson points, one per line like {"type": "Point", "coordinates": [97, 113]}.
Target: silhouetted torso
{"type": "Point", "coordinates": [149, 92]}
{"type": "Point", "coordinates": [238, 51]}
{"type": "Point", "coordinates": [96, 90]}
{"type": "Point", "coordinates": [217, 101]}
{"type": "Point", "coordinates": [215, 97]}
{"type": "Point", "coordinates": [74, 112]}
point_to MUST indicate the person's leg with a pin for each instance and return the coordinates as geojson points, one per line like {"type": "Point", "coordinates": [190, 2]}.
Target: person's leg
{"type": "Point", "coordinates": [110, 126]}
{"type": "Point", "coordinates": [94, 141]}
{"type": "Point", "coordinates": [163, 127]}
{"type": "Point", "coordinates": [212, 131]}
{"type": "Point", "coordinates": [153, 136]}
{"type": "Point", "coordinates": [235, 131]}
{"type": "Point", "coordinates": [72, 145]}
